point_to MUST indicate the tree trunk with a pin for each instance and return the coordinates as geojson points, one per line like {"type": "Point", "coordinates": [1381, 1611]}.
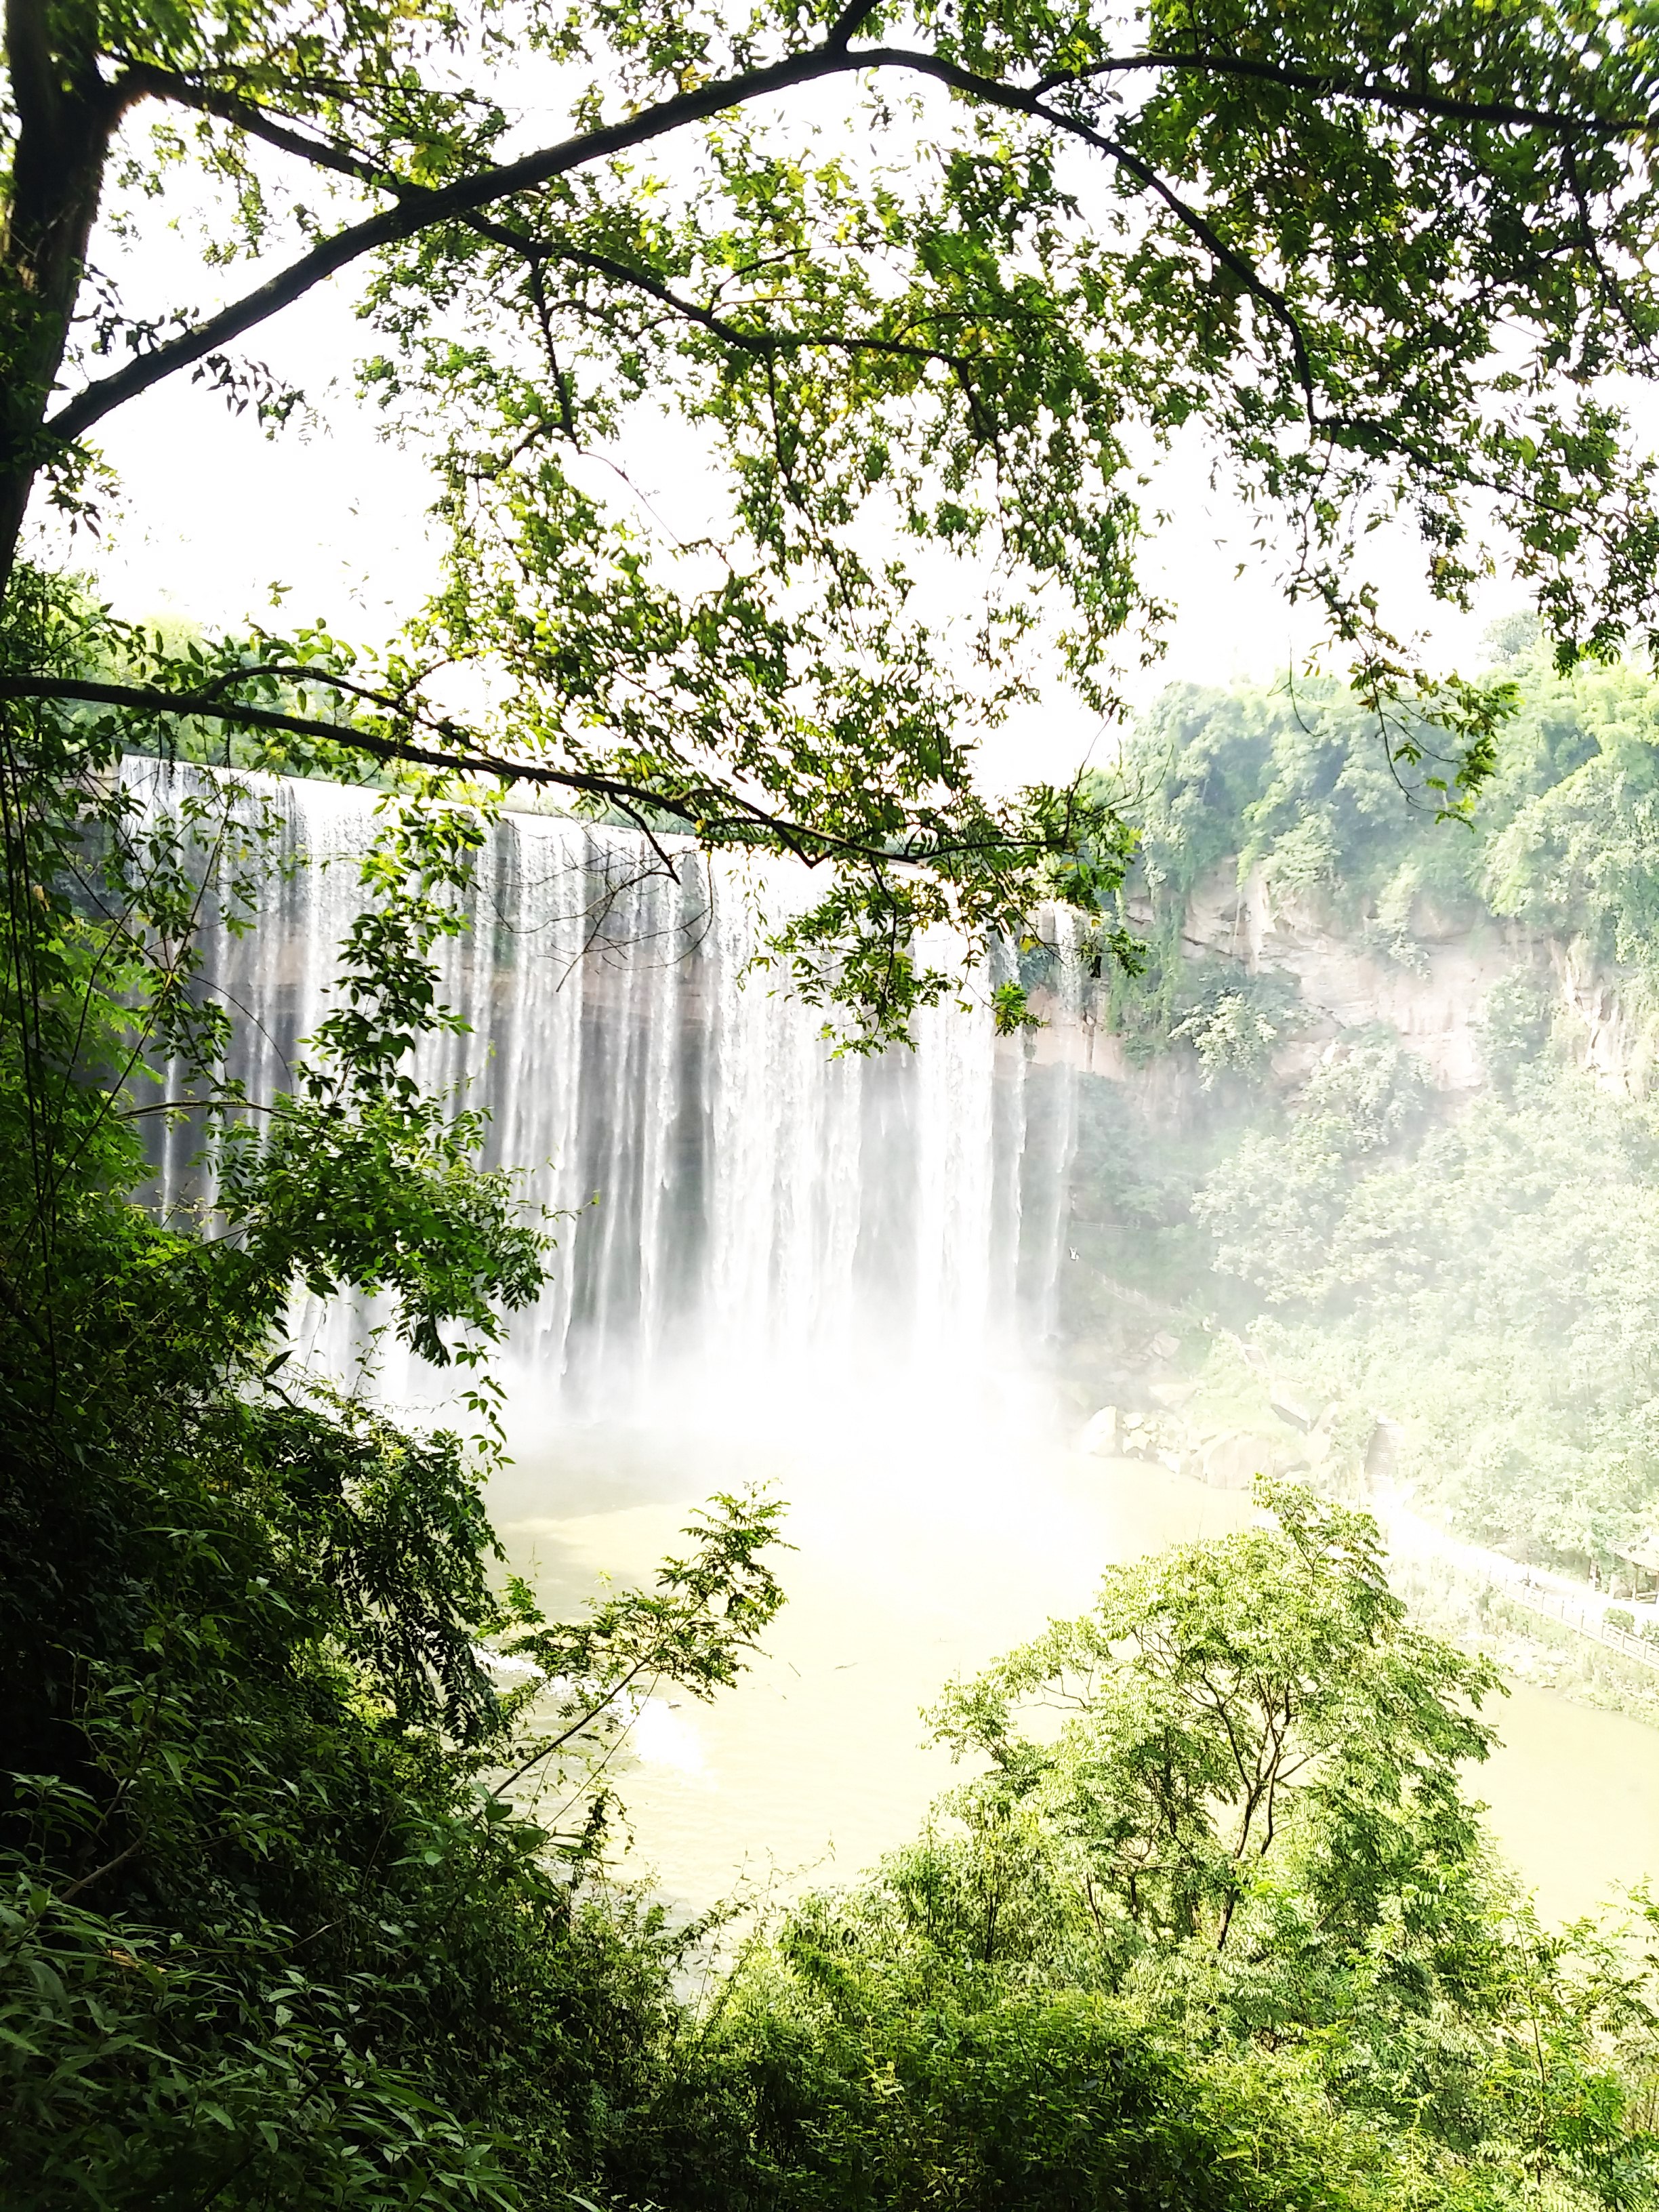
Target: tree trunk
{"type": "Point", "coordinates": [66, 117]}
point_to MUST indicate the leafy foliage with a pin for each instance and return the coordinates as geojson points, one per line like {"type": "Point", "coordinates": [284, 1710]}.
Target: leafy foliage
{"type": "Point", "coordinates": [274, 1930]}
{"type": "Point", "coordinates": [1213, 1923]}
{"type": "Point", "coordinates": [917, 295]}
{"type": "Point", "coordinates": [1234, 1022]}
{"type": "Point", "coordinates": [286, 1919]}
{"type": "Point", "coordinates": [1493, 1287]}
{"type": "Point", "coordinates": [1228, 1705]}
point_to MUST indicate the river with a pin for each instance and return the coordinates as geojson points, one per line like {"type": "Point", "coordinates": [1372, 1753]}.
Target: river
{"type": "Point", "coordinates": [926, 1544]}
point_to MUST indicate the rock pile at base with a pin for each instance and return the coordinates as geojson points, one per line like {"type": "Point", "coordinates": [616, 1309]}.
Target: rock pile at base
{"type": "Point", "coordinates": [1224, 1458]}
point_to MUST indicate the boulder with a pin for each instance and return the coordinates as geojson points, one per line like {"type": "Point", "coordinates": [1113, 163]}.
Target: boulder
{"type": "Point", "coordinates": [1103, 1437]}
{"type": "Point", "coordinates": [1139, 1437]}
{"type": "Point", "coordinates": [1293, 1410]}
{"type": "Point", "coordinates": [1232, 1461]}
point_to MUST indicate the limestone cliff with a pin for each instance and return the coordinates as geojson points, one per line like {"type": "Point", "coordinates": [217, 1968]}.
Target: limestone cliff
{"type": "Point", "coordinates": [1428, 979]}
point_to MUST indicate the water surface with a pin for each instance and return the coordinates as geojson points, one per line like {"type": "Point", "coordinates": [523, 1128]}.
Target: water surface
{"type": "Point", "coordinates": [926, 1546]}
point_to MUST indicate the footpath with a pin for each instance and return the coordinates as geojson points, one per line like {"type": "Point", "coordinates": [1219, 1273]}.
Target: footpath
{"type": "Point", "coordinates": [1557, 1597]}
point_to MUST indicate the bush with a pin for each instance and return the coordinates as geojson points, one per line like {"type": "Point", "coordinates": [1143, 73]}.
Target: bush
{"type": "Point", "coordinates": [1052, 2101]}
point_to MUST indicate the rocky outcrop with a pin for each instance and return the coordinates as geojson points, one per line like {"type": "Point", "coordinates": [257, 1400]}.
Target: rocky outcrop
{"type": "Point", "coordinates": [1433, 998]}
{"type": "Point", "coordinates": [1619, 1045]}
{"type": "Point", "coordinates": [1307, 1442]}
{"type": "Point", "coordinates": [1430, 981]}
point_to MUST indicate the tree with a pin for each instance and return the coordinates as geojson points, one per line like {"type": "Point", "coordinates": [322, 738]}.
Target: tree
{"type": "Point", "coordinates": [1388, 261]}
{"type": "Point", "coordinates": [1228, 1708]}
{"type": "Point", "coordinates": [1216, 1848]}
{"type": "Point", "coordinates": [1227, 1806]}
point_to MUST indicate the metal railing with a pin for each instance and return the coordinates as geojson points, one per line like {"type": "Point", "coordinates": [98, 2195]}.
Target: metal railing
{"type": "Point", "coordinates": [1588, 1621]}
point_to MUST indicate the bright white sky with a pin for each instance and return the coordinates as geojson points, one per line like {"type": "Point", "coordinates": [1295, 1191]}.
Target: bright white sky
{"type": "Point", "coordinates": [214, 514]}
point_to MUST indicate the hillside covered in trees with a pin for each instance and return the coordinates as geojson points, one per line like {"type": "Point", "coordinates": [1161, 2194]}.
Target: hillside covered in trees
{"type": "Point", "coordinates": [1381, 1117]}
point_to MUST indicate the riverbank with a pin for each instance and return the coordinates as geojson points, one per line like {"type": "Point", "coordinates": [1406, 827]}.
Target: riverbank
{"type": "Point", "coordinates": [1542, 1627]}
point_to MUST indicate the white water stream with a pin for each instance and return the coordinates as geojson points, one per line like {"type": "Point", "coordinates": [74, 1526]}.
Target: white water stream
{"type": "Point", "coordinates": [836, 1275]}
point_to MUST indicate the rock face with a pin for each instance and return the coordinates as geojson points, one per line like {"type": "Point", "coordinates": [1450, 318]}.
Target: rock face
{"type": "Point", "coordinates": [1618, 1049]}
{"type": "Point", "coordinates": [1103, 1438]}
{"type": "Point", "coordinates": [1433, 998]}
{"type": "Point", "coordinates": [1433, 989]}
{"type": "Point", "coordinates": [1233, 1462]}
{"type": "Point", "coordinates": [1292, 1409]}
{"type": "Point", "coordinates": [1436, 997]}
{"type": "Point", "coordinates": [1232, 1458]}
{"type": "Point", "coordinates": [1160, 1438]}
{"type": "Point", "coordinates": [1226, 1459]}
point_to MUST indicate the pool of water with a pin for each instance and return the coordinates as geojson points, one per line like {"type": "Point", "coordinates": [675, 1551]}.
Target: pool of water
{"type": "Point", "coordinates": [924, 1546]}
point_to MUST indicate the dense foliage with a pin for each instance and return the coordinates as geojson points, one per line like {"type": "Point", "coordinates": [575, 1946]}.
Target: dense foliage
{"type": "Point", "coordinates": [918, 294]}
{"type": "Point", "coordinates": [1212, 1923]}
{"type": "Point", "coordinates": [1479, 1269]}
{"type": "Point", "coordinates": [272, 1931]}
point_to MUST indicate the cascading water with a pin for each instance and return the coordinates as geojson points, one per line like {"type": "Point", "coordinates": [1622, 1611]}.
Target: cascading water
{"type": "Point", "coordinates": [737, 1202]}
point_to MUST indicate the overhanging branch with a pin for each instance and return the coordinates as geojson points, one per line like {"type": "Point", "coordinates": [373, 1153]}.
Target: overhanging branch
{"type": "Point", "coordinates": [1363, 91]}
{"type": "Point", "coordinates": [714, 814]}
{"type": "Point", "coordinates": [211, 705]}
{"type": "Point", "coordinates": [415, 213]}
{"type": "Point", "coordinates": [418, 209]}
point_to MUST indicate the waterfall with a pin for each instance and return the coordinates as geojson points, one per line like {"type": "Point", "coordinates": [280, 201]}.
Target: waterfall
{"type": "Point", "coordinates": [732, 1200]}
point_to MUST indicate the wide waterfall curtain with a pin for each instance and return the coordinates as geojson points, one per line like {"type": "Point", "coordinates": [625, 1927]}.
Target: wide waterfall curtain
{"type": "Point", "coordinates": [732, 1200]}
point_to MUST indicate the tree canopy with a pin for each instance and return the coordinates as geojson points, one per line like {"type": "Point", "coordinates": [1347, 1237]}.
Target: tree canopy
{"type": "Point", "coordinates": [923, 291]}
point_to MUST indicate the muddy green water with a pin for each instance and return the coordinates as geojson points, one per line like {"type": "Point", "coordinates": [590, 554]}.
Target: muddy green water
{"type": "Point", "coordinates": [921, 1552]}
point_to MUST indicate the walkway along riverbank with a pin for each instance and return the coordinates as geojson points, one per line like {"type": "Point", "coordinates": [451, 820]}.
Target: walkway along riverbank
{"type": "Point", "coordinates": [1557, 1597]}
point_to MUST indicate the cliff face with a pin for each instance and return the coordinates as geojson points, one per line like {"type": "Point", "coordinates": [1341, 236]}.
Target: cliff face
{"type": "Point", "coordinates": [1619, 1047]}
{"type": "Point", "coordinates": [1431, 984]}
{"type": "Point", "coordinates": [1432, 990]}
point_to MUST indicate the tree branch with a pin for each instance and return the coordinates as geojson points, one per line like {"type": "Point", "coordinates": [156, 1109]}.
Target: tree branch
{"type": "Point", "coordinates": [1016, 100]}
{"type": "Point", "coordinates": [417, 211]}
{"type": "Point", "coordinates": [847, 25]}
{"type": "Point", "coordinates": [764, 344]}
{"type": "Point", "coordinates": [420, 209]}
{"type": "Point", "coordinates": [147, 82]}
{"type": "Point", "coordinates": [709, 813]}
{"type": "Point", "coordinates": [258, 124]}
{"type": "Point", "coordinates": [211, 705]}
{"type": "Point", "coordinates": [1502, 114]}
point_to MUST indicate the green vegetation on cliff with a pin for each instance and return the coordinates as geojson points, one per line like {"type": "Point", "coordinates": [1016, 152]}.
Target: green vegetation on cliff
{"type": "Point", "coordinates": [1476, 1266]}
